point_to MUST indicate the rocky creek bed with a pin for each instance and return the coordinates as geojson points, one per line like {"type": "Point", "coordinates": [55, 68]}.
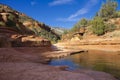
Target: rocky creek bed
{"type": "Point", "coordinates": [26, 63]}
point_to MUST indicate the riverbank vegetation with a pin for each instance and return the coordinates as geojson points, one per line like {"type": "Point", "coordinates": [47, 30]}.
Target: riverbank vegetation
{"type": "Point", "coordinates": [100, 24]}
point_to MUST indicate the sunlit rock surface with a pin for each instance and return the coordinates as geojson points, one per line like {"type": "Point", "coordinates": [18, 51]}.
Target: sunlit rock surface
{"type": "Point", "coordinates": [26, 64]}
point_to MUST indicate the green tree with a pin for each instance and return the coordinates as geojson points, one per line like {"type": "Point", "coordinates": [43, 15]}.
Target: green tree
{"type": "Point", "coordinates": [108, 9]}
{"type": "Point", "coordinates": [48, 35]}
{"type": "Point", "coordinates": [75, 28]}
{"type": "Point", "coordinates": [83, 22]}
{"type": "Point", "coordinates": [118, 13]}
{"type": "Point", "coordinates": [98, 26]}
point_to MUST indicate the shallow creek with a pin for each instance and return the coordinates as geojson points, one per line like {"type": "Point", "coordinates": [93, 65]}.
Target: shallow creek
{"type": "Point", "coordinates": [96, 60]}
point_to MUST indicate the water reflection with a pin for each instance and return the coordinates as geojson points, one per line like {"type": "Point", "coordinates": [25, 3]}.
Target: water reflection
{"type": "Point", "coordinates": [65, 62]}
{"type": "Point", "coordinates": [97, 60]}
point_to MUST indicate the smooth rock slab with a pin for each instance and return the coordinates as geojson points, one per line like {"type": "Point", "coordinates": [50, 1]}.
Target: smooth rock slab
{"type": "Point", "coordinates": [34, 71]}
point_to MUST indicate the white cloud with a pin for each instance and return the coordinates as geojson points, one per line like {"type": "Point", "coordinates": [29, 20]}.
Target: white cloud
{"type": "Point", "coordinates": [79, 12]}
{"type": "Point", "coordinates": [82, 11]}
{"type": "Point", "coordinates": [59, 2]}
{"type": "Point", "coordinates": [67, 19]}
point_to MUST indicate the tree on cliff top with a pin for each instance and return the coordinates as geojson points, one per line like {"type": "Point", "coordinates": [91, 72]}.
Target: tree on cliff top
{"type": "Point", "coordinates": [82, 23]}
{"type": "Point", "coordinates": [108, 9]}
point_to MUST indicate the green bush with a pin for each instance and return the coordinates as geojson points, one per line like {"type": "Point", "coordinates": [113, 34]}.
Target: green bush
{"type": "Point", "coordinates": [48, 35]}
{"type": "Point", "coordinates": [98, 26]}
{"type": "Point", "coordinates": [2, 24]}
{"type": "Point", "coordinates": [83, 22]}
{"type": "Point", "coordinates": [13, 25]}
{"type": "Point", "coordinates": [110, 27]}
{"type": "Point", "coordinates": [76, 28]}
{"type": "Point", "coordinates": [10, 23]}
{"type": "Point", "coordinates": [25, 18]}
{"type": "Point", "coordinates": [108, 9]}
{"type": "Point", "coordinates": [118, 13]}
{"type": "Point", "coordinates": [11, 17]}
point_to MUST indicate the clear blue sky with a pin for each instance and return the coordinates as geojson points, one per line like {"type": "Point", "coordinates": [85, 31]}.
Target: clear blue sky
{"type": "Point", "coordinates": [57, 13]}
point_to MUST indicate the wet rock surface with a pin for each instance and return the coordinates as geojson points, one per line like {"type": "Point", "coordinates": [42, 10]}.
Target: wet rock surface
{"type": "Point", "coordinates": [26, 64]}
{"type": "Point", "coordinates": [33, 71]}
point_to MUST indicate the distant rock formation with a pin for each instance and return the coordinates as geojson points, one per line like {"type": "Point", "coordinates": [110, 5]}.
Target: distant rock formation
{"type": "Point", "coordinates": [13, 22]}
{"type": "Point", "coordinates": [29, 32]}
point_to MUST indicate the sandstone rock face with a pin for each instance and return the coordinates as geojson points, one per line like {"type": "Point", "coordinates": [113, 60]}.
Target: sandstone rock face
{"type": "Point", "coordinates": [115, 21]}
{"type": "Point", "coordinates": [12, 39]}
{"type": "Point", "coordinates": [5, 30]}
{"type": "Point", "coordinates": [29, 41]}
{"type": "Point", "coordinates": [27, 23]}
{"type": "Point", "coordinates": [1, 19]}
{"type": "Point", "coordinates": [82, 30]}
{"type": "Point", "coordinates": [23, 24]}
{"type": "Point", "coordinates": [35, 41]}
{"type": "Point", "coordinates": [4, 41]}
{"type": "Point", "coordinates": [5, 16]}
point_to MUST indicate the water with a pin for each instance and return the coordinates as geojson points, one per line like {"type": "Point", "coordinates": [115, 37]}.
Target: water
{"type": "Point", "coordinates": [96, 60]}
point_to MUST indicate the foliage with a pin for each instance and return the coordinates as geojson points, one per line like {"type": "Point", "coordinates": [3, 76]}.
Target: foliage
{"type": "Point", "coordinates": [98, 26]}
{"type": "Point", "coordinates": [24, 18]}
{"type": "Point", "coordinates": [11, 17]}
{"type": "Point", "coordinates": [75, 29]}
{"type": "Point", "coordinates": [110, 27]}
{"type": "Point", "coordinates": [65, 31]}
{"type": "Point", "coordinates": [108, 10]}
{"type": "Point", "coordinates": [15, 20]}
{"type": "Point", "coordinates": [118, 13]}
{"type": "Point", "coordinates": [82, 23]}
{"type": "Point", "coordinates": [48, 35]}
{"type": "Point", "coordinates": [2, 23]}
{"type": "Point", "coordinates": [10, 23]}
{"type": "Point", "coordinates": [35, 31]}
{"type": "Point", "coordinates": [45, 34]}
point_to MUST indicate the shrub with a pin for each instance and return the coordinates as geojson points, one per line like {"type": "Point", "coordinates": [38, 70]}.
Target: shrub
{"type": "Point", "coordinates": [83, 22]}
{"type": "Point", "coordinates": [10, 23]}
{"type": "Point", "coordinates": [98, 26]}
{"type": "Point", "coordinates": [108, 10]}
{"type": "Point", "coordinates": [48, 35]}
{"type": "Point", "coordinates": [76, 28]}
{"type": "Point", "coordinates": [118, 13]}
{"type": "Point", "coordinates": [110, 27]}
{"type": "Point", "coordinates": [2, 24]}
{"type": "Point", "coordinates": [11, 17]}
